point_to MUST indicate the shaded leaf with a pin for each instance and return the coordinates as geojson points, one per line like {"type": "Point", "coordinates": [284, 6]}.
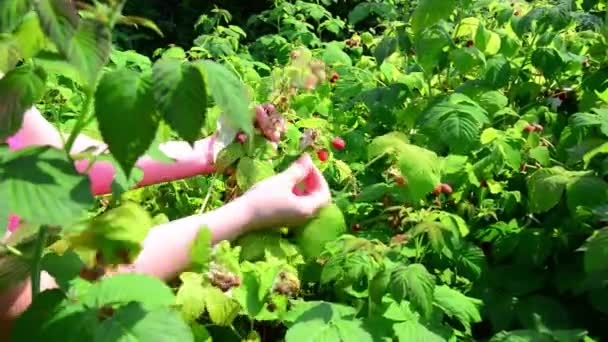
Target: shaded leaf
{"type": "Point", "coordinates": [430, 12]}
{"type": "Point", "coordinates": [181, 96]}
{"type": "Point", "coordinates": [545, 189]}
{"type": "Point", "coordinates": [415, 283]}
{"type": "Point", "coordinates": [455, 304]}
{"type": "Point", "coordinates": [124, 106]}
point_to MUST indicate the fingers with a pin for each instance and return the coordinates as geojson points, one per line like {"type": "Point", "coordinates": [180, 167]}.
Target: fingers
{"type": "Point", "coordinates": [299, 170]}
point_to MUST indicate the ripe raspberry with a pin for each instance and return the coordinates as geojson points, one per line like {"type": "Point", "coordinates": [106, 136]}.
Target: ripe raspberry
{"type": "Point", "coordinates": [334, 77]}
{"type": "Point", "coordinates": [338, 143]}
{"type": "Point", "coordinates": [529, 128]}
{"type": "Point", "coordinates": [446, 188]}
{"type": "Point", "coordinates": [356, 227]}
{"type": "Point", "coordinates": [241, 138]}
{"type": "Point", "coordinates": [323, 155]}
{"type": "Point", "coordinates": [438, 189]}
{"type": "Point", "coordinates": [400, 180]}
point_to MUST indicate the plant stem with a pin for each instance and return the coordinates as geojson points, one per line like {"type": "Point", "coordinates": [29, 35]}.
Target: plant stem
{"type": "Point", "coordinates": [81, 122]}
{"type": "Point", "coordinates": [37, 262]}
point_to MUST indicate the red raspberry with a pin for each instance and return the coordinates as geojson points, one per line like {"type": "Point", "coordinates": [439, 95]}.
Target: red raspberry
{"type": "Point", "coordinates": [334, 77]}
{"type": "Point", "coordinates": [323, 155]}
{"type": "Point", "coordinates": [529, 128]}
{"type": "Point", "coordinates": [446, 188]}
{"type": "Point", "coordinates": [338, 143]}
{"type": "Point", "coordinates": [400, 180]}
{"type": "Point", "coordinates": [438, 189]}
{"type": "Point", "coordinates": [241, 138]}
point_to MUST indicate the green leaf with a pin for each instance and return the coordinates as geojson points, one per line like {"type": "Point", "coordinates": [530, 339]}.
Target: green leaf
{"type": "Point", "coordinates": [430, 12]}
{"type": "Point", "coordinates": [20, 88]}
{"type": "Point", "coordinates": [200, 253]}
{"type": "Point", "coordinates": [466, 59]}
{"type": "Point", "coordinates": [222, 309]}
{"type": "Point", "coordinates": [334, 55]}
{"type": "Point", "coordinates": [251, 171]}
{"type": "Point", "coordinates": [59, 20]}
{"type": "Point", "coordinates": [148, 291]}
{"type": "Point", "coordinates": [389, 143]}
{"type": "Point", "coordinates": [421, 168]}
{"type": "Point", "coordinates": [498, 72]}
{"type": "Point", "coordinates": [596, 251]}
{"type": "Point", "coordinates": [541, 155]}
{"type": "Point", "coordinates": [591, 154]}
{"type": "Point", "coordinates": [460, 131]}
{"type": "Point", "coordinates": [190, 297]}
{"type": "Point", "coordinates": [11, 13]}
{"type": "Point", "coordinates": [44, 187]}
{"type": "Point", "coordinates": [545, 189]}
{"type": "Point", "coordinates": [493, 101]}
{"type": "Point", "coordinates": [89, 49]}
{"type": "Point", "coordinates": [455, 304]}
{"type": "Point", "coordinates": [487, 41]}
{"type": "Point", "coordinates": [230, 94]}
{"type": "Point", "coordinates": [117, 233]}
{"type": "Point", "coordinates": [63, 268]}
{"type": "Point", "coordinates": [135, 323]}
{"type": "Point", "coordinates": [29, 36]}
{"type": "Point", "coordinates": [325, 322]}
{"type": "Point", "coordinates": [586, 192]}
{"type": "Point", "coordinates": [412, 330]}
{"type": "Point", "coordinates": [385, 48]}
{"type": "Point", "coordinates": [124, 106]}
{"type": "Point", "coordinates": [181, 96]}
{"type": "Point", "coordinates": [429, 46]}
{"type": "Point", "coordinates": [548, 60]}
{"type": "Point", "coordinates": [327, 226]}
{"type": "Point", "coordinates": [416, 284]}
{"type": "Point", "coordinates": [521, 336]}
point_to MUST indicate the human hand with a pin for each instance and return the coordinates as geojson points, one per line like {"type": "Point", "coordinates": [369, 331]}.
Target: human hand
{"type": "Point", "coordinates": [289, 198]}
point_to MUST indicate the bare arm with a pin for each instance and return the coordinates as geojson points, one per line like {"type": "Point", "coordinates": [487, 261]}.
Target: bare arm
{"type": "Point", "coordinates": [166, 249]}
{"type": "Point", "coordinates": [188, 161]}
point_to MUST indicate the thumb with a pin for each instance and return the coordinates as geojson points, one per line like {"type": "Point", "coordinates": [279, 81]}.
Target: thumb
{"type": "Point", "coordinates": [298, 171]}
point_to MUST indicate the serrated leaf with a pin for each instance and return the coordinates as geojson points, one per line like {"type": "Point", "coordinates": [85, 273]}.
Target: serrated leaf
{"type": "Point", "coordinates": [416, 284]}
{"type": "Point", "coordinates": [63, 268]}
{"type": "Point", "coordinates": [389, 143]}
{"type": "Point", "coordinates": [498, 72]}
{"type": "Point", "coordinates": [181, 96]}
{"type": "Point", "coordinates": [421, 169]}
{"type": "Point", "coordinates": [455, 304]}
{"type": "Point", "coordinates": [334, 55]}
{"type": "Point", "coordinates": [430, 12]}
{"type": "Point", "coordinates": [20, 88]}
{"type": "Point", "coordinates": [135, 323]}
{"type": "Point", "coordinates": [200, 252]}
{"type": "Point", "coordinates": [548, 61]}
{"type": "Point", "coordinates": [190, 297]}
{"type": "Point", "coordinates": [460, 131]}
{"type": "Point", "coordinates": [466, 59]}
{"type": "Point", "coordinates": [541, 155]}
{"type": "Point", "coordinates": [591, 154]}
{"type": "Point", "coordinates": [59, 20]}
{"type": "Point", "coordinates": [412, 330]}
{"type": "Point", "coordinates": [11, 13]}
{"type": "Point", "coordinates": [89, 49]}
{"type": "Point", "coordinates": [251, 171]}
{"type": "Point", "coordinates": [487, 41]}
{"type": "Point", "coordinates": [596, 251]}
{"type": "Point", "coordinates": [44, 187]}
{"type": "Point", "coordinates": [124, 106]}
{"type": "Point", "coordinates": [117, 234]}
{"type": "Point", "coordinates": [230, 94]}
{"type": "Point", "coordinates": [148, 291]}
{"type": "Point", "coordinates": [385, 48]}
{"type": "Point", "coordinates": [222, 309]}
{"type": "Point", "coordinates": [545, 189]}
{"type": "Point", "coordinates": [586, 192]}
{"type": "Point", "coordinates": [429, 46]}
